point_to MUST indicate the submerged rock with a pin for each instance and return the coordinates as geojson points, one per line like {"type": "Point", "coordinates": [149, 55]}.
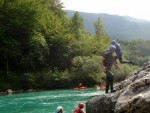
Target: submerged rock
{"type": "Point", "coordinates": [132, 96]}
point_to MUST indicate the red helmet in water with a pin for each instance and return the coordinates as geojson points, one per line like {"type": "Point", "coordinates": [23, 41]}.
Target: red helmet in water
{"type": "Point", "coordinates": [81, 105]}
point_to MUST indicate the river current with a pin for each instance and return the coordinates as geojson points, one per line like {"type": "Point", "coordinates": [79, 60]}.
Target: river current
{"type": "Point", "coordinates": [46, 101]}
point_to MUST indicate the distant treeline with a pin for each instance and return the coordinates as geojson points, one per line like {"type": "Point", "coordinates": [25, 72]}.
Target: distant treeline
{"type": "Point", "coordinates": [41, 48]}
{"type": "Point", "coordinates": [118, 27]}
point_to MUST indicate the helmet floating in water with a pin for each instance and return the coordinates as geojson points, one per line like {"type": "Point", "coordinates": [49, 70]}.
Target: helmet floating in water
{"type": "Point", "coordinates": [80, 105]}
{"type": "Point", "coordinates": [59, 108]}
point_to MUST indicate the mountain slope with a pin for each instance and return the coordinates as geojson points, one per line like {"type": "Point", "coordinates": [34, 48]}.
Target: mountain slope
{"type": "Point", "coordinates": [118, 27]}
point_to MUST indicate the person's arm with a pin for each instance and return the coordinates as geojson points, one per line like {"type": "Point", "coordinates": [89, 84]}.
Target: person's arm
{"type": "Point", "coordinates": [82, 111]}
{"type": "Point", "coordinates": [102, 65]}
{"type": "Point", "coordinates": [116, 65]}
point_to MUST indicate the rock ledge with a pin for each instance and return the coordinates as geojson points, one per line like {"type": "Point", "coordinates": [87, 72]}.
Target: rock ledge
{"type": "Point", "coordinates": [132, 96]}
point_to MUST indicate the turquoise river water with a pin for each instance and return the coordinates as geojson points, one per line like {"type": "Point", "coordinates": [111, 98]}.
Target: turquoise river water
{"type": "Point", "coordinates": [46, 101]}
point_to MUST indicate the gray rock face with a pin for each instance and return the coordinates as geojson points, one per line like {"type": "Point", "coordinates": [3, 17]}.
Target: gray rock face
{"type": "Point", "coordinates": [132, 96]}
{"type": "Point", "coordinates": [102, 104]}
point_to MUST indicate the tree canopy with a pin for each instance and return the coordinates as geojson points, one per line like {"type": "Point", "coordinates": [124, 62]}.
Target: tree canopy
{"type": "Point", "coordinates": [40, 47]}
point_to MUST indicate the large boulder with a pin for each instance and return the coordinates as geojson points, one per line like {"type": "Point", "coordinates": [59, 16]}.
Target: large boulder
{"type": "Point", "coordinates": [132, 96]}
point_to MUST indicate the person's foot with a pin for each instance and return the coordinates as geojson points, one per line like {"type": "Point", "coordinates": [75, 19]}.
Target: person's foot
{"type": "Point", "coordinates": [131, 62]}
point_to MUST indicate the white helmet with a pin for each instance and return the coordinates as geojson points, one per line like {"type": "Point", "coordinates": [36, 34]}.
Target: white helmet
{"type": "Point", "coordinates": [59, 108]}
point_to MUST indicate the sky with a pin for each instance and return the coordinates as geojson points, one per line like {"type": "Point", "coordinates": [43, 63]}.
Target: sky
{"type": "Point", "coordinates": [139, 9]}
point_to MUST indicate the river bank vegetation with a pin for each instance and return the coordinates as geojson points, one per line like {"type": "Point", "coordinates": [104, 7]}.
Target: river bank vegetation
{"type": "Point", "coordinates": [41, 48]}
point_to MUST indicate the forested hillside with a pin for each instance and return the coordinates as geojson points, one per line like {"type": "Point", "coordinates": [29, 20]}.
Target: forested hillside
{"type": "Point", "coordinates": [41, 48]}
{"type": "Point", "coordinates": [137, 50]}
{"type": "Point", "coordinates": [118, 27]}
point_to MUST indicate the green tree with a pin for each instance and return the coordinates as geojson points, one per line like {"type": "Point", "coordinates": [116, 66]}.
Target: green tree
{"type": "Point", "coordinates": [99, 28]}
{"type": "Point", "coordinates": [77, 25]}
{"type": "Point", "coordinates": [101, 39]}
{"type": "Point", "coordinates": [29, 34]}
{"type": "Point", "coordinates": [136, 50]}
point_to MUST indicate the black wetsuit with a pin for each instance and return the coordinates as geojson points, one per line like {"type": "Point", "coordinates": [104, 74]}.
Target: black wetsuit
{"type": "Point", "coordinates": [108, 62]}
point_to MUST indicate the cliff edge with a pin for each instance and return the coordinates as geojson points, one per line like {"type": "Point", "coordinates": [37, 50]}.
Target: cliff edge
{"type": "Point", "coordinates": [132, 96]}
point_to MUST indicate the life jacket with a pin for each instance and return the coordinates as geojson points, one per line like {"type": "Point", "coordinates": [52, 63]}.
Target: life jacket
{"type": "Point", "coordinates": [118, 50]}
{"type": "Point", "coordinates": [108, 60]}
{"type": "Point", "coordinates": [59, 112]}
{"type": "Point", "coordinates": [78, 110]}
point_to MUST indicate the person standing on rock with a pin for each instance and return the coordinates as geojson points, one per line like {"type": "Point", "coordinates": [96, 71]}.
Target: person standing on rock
{"type": "Point", "coordinates": [106, 63]}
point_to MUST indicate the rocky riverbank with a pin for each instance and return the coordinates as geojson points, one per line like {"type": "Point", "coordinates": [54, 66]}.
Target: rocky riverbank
{"type": "Point", "coordinates": [132, 96]}
{"type": "Point", "coordinates": [10, 91]}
